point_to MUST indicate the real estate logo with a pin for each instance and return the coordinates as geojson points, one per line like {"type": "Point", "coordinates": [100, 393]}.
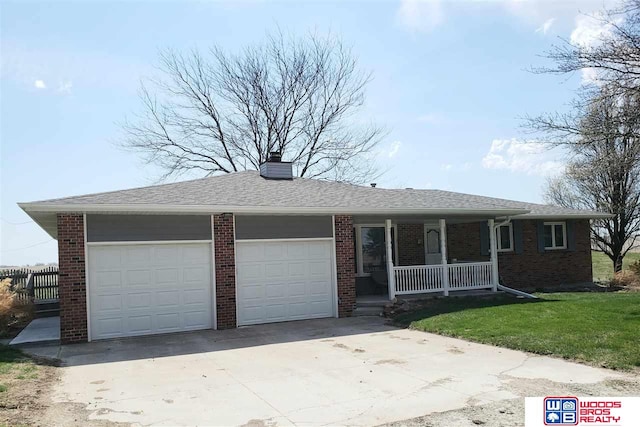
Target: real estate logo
{"type": "Point", "coordinates": [561, 411]}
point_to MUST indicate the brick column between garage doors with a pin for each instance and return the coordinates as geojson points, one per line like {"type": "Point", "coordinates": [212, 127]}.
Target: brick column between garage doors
{"type": "Point", "coordinates": [72, 287]}
{"type": "Point", "coordinates": [345, 265]}
{"type": "Point", "coordinates": [225, 261]}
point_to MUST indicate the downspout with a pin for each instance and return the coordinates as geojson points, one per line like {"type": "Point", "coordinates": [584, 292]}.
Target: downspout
{"type": "Point", "coordinates": [504, 288]}
{"type": "Point", "coordinates": [516, 292]}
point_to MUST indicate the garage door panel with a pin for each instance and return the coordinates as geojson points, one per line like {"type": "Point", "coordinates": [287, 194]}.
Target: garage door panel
{"type": "Point", "coordinates": [139, 277]}
{"type": "Point", "coordinates": [250, 251]}
{"type": "Point", "coordinates": [297, 250]}
{"type": "Point", "coordinates": [108, 303]}
{"type": "Point", "coordinates": [108, 279]}
{"type": "Point", "coordinates": [252, 292]}
{"type": "Point", "coordinates": [136, 256]}
{"type": "Point", "coordinates": [272, 251]}
{"type": "Point", "coordinates": [294, 280]}
{"type": "Point", "coordinates": [140, 324]}
{"type": "Point", "coordinates": [171, 292]}
{"type": "Point", "coordinates": [140, 300]}
{"type": "Point", "coordinates": [275, 290]}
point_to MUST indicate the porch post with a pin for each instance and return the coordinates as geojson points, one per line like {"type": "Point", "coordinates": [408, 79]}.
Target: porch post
{"type": "Point", "coordinates": [495, 278]}
{"type": "Point", "coordinates": [443, 252]}
{"type": "Point", "coordinates": [390, 274]}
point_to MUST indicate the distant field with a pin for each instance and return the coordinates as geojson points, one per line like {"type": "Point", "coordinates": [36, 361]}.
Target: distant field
{"type": "Point", "coordinates": [603, 267]}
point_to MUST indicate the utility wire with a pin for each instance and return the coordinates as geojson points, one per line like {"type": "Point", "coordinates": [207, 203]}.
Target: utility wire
{"type": "Point", "coordinates": [17, 223]}
{"type": "Point", "coordinates": [27, 247]}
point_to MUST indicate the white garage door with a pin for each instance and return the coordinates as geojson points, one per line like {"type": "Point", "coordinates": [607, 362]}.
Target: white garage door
{"type": "Point", "coordinates": [284, 280]}
{"type": "Point", "coordinates": [149, 289]}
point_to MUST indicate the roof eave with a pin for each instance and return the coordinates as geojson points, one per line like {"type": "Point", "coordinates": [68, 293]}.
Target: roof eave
{"type": "Point", "coordinates": [193, 209]}
{"type": "Point", "coordinates": [585, 215]}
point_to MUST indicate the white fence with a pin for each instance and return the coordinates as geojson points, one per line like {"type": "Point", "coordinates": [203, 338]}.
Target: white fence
{"type": "Point", "coordinates": [419, 279]}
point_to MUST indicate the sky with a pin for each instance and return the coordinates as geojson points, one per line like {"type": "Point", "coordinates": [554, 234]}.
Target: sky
{"type": "Point", "coordinates": [451, 83]}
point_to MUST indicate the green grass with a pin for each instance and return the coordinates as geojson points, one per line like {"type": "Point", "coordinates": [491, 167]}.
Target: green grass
{"type": "Point", "coordinates": [601, 329]}
{"type": "Point", "coordinates": [14, 364]}
{"type": "Point", "coordinates": [603, 267]}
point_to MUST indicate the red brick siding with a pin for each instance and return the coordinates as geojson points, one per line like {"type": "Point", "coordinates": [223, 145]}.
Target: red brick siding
{"type": "Point", "coordinates": [463, 242]}
{"type": "Point", "coordinates": [529, 269]}
{"type": "Point", "coordinates": [71, 281]}
{"type": "Point", "coordinates": [345, 264]}
{"type": "Point", "coordinates": [225, 271]}
{"type": "Point", "coordinates": [410, 244]}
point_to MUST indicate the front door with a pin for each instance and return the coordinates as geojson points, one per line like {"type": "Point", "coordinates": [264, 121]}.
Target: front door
{"type": "Point", "coordinates": [432, 254]}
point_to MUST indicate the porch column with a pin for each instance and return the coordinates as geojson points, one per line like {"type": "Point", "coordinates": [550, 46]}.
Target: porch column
{"type": "Point", "coordinates": [390, 274]}
{"type": "Point", "coordinates": [443, 252]}
{"type": "Point", "coordinates": [495, 278]}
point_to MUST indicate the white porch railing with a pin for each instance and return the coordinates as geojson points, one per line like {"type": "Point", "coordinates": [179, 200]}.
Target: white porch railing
{"type": "Point", "coordinates": [472, 275]}
{"type": "Point", "coordinates": [418, 279]}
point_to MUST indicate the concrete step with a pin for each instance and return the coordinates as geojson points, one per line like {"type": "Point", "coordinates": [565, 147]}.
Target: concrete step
{"type": "Point", "coordinates": [371, 303]}
{"type": "Point", "coordinates": [367, 311]}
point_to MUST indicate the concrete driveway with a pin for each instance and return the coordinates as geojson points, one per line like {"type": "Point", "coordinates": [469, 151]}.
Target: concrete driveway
{"type": "Point", "coordinates": [323, 372]}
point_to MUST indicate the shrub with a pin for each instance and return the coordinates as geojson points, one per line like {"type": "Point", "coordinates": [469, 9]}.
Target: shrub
{"type": "Point", "coordinates": [625, 279]}
{"type": "Point", "coordinates": [13, 312]}
{"type": "Point", "coordinates": [8, 303]}
{"type": "Point", "coordinates": [635, 268]}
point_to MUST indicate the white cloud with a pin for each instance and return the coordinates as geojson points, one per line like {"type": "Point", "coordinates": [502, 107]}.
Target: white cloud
{"type": "Point", "coordinates": [395, 147]}
{"type": "Point", "coordinates": [589, 32]}
{"type": "Point", "coordinates": [446, 167]}
{"type": "Point", "coordinates": [514, 155]}
{"type": "Point", "coordinates": [420, 15]}
{"type": "Point", "coordinates": [65, 87]}
{"type": "Point", "coordinates": [39, 84]}
{"type": "Point", "coordinates": [544, 28]}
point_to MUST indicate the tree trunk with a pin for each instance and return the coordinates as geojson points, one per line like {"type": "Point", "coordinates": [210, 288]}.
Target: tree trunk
{"type": "Point", "coordinates": [617, 263]}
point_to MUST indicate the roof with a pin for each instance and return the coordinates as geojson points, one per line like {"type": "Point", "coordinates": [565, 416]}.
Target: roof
{"type": "Point", "coordinates": [248, 192]}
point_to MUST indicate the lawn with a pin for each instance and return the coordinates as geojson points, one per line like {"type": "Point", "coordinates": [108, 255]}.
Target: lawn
{"type": "Point", "coordinates": [601, 329]}
{"type": "Point", "coordinates": [23, 380]}
{"type": "Point", "coordinates": [603, 267]}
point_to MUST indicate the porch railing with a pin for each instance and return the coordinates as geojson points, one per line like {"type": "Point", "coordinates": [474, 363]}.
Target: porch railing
{"type": "Point", "coordinates": [418, 279]}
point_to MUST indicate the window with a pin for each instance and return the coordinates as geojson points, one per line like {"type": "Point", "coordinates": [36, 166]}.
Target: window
{"type": "Point", "coordinates": [371, 253]}
{"type": "Point", "coordinates": [555, 235]}
{"type": "Point", "coordinates": [504, 237]}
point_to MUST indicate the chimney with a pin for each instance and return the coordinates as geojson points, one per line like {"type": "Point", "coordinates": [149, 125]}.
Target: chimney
{"type": "Point", "coordinates": [275, 168]}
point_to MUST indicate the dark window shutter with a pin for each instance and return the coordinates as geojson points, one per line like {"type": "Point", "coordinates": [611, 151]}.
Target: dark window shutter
{"type": "Point", "coordinates": [540, 230]}
{"type": "Point", "coordinates": [571, 235]}
{"type": "Point", "coordinates": [484, 238]}
{"type": "Point", "coordinates": [518, 244]}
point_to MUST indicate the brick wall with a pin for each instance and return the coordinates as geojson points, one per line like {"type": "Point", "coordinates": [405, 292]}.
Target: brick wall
{"type": "Point", "coordinates": [225, 271]}
{"type": "Point", "coordinates": [530, 269]}
{"type": "Point", "coordinates": [72, 286]}
{"type": "Point", "coordinates": [410, 244]}
{"type": "Point", "coordinates": [345, 265]}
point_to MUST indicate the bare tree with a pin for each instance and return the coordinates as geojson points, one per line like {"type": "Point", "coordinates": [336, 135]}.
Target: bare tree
{"type": "Point", "coordinates": [614, 55]}
{"type": "Point", "coordinates": [604, 171]}
{"type": "Point", "coordinates": [221, 112]}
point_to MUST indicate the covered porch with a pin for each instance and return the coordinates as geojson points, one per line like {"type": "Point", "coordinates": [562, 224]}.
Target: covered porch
{"type": "Point", "coordinates": [417, 261]}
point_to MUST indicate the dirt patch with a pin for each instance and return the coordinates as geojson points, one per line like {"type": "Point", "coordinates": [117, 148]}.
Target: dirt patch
{"type": "Point", "coordinates": [510, 413]}
{"type": "Point", "coordinates": [26, 398]}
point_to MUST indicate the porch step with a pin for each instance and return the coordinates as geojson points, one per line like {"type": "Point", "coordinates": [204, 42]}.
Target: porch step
{"type": "Point", "coordinates": [368, 311]}
{"type": "Point", "coordinates": [372, 303]}
{"type": "Point", "coordinates": [47, 309]}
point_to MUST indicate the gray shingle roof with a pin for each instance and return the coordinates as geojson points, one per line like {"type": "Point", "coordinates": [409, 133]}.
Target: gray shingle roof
{"type": "Point", "coordinates": [248, 191]}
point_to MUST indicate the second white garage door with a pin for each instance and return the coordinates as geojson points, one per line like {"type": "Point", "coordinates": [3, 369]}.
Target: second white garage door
{"type": "Point", "coordinates": [141, 289]}
{"type": "Point", "coordinates": [284, 280]}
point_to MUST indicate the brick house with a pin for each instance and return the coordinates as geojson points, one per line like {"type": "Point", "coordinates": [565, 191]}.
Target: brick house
{"type": "Point", "coordinates": [249, 248]}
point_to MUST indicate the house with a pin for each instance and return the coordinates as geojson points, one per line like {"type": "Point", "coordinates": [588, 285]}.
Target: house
{"type": "Point", "coordinates": [258, 247]}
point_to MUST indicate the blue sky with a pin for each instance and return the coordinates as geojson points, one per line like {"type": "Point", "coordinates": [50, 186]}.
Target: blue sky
{"type": "Point", "coordinates": [450, 83]}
